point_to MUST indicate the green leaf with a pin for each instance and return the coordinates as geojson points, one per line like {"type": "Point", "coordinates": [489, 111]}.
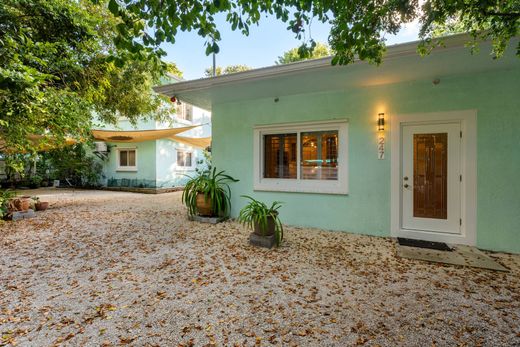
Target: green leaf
{"type": "Point", "coordinates": [215, 48]}
{"type": "Point", "coordinates": [113, 7]}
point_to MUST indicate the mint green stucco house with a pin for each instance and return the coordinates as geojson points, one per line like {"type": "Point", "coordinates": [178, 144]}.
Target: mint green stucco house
{"type": "Point", "coordinates": [419, 147]}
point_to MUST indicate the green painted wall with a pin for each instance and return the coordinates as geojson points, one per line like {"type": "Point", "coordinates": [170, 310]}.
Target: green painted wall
{"type": "Point", "coordinates": [167, 172]}
{"type": "Point", "coordinates": [495, 95]}
{"type": "Point", "coordinates": [156, 161]}
{"type": "Point", "coordinates": [145, 161]}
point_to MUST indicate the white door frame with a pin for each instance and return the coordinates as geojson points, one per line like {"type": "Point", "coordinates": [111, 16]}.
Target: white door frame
{"type": "Point", "coordinates": [468, 120]}
{"type": "Point", "coordinates": [450, 224]}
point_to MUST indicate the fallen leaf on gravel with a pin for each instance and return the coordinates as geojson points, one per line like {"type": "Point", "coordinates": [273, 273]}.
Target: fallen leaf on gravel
{"type": "Point", "coordinates": [127, 340]}
{"type": "Point", "coordinates": [131, 268]}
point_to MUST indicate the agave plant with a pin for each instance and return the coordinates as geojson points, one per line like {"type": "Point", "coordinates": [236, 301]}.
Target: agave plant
{"type": "Point", "coordinates": [214, 185]}
{"type": "Point", "coordinates": [257, 213]}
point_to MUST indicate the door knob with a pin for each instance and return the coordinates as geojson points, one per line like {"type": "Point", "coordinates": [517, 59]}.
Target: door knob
{"type": "Point", "coordinates": [406, 186]}
{"type": "Point", "coordinates": [405, 178]}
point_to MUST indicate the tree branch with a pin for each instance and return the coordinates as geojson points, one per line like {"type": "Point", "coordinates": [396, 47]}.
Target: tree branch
{"type": "Point", "coordinates": [502, 14]}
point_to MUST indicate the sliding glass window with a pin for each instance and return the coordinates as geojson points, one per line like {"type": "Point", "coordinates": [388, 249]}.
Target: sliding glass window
{"type": "Point", "coordinates": [280, 156]}
{"type": "Point", "coordinates": [319, 159]}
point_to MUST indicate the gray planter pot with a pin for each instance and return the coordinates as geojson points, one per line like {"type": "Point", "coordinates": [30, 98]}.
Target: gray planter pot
{"type": "Point", "coordinates": [269, 230]}
{"type": "Point", "coordinates": [262, 241]}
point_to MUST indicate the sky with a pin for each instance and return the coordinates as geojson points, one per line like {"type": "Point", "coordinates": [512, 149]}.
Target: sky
{"type": "Point", "coordinates": [261, 48]}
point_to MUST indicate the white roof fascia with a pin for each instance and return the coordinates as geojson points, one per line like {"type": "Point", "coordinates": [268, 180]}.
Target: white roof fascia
{"type": "Point", "coordinates": [395, 51]}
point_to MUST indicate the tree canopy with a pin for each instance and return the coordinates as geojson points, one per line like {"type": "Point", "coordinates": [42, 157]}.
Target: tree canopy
{"type": "Point", "coordinates": [219, 70]}
{"type": "Point", "coordinates": [60, 64]}
{"type": "Point", "coordinates": [62, 61]}
{"type": "Point", "coordinates": [294, 54]}
{"type": "Point", "coordinates": [173, 69]}
{"type": "Point", "coordinates": [358, 26]}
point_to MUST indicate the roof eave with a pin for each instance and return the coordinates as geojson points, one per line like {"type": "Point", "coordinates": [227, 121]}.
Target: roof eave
{"type": "Point", "coordinates": [395, 51]}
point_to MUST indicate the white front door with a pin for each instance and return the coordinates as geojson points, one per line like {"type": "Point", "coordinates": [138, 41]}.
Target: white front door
{"type": "Point", "coordinates": [431, 179]}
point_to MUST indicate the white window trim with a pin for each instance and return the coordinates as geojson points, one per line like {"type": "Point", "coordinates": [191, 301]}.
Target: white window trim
{"type": "Point", "coordinates": [339, 186]}
{"type": "Point", "coordinates": [126, 168]}
{"type": "Point", "coordinates": [193, 160]}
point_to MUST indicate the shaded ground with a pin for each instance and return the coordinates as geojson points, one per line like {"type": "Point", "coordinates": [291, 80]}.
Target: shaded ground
{"type": "Point", "coordinates": [106, 268]}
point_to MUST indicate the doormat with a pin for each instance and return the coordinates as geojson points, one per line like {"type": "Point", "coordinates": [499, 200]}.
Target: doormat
{"type": "Point", "coordinates": [460, 255]}
{"type": "Point", "coordinates": [440, 246]}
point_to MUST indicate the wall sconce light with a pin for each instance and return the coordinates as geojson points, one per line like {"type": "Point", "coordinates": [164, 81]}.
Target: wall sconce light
{"type": "Point", "coordinates": [381, 122]}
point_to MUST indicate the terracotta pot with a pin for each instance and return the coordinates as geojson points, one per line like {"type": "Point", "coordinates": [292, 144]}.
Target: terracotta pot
{"type": "Point", "coordinates": [204, 205]}
{"type": "Point", "coordinates": [26, 202]}
{"type": "Point", "coordinates": [41, 206]}
{"type": "Point", "coordinates": [271, 226]}
{"type": "Point", "coordinates": [21, 204]}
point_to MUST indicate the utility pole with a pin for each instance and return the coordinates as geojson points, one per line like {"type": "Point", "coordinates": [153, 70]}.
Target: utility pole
{"type": "Point", "coordinates": [214, 61]}
{"type": "Point", "coordinates": [214, 65]}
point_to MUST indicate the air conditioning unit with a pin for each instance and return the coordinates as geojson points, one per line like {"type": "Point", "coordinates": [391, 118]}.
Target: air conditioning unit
{"type": "Point", "coordinates": [101, 147]}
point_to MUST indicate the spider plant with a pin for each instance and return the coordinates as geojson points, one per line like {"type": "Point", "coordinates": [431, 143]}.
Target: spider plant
{"type": "Point", "coordinates": [214, 185]}
{"type": "Point", "coordinates": [257, 215]}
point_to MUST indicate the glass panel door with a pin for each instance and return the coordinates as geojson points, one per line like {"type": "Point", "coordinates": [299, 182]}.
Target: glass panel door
{"type": "Point", "coordinates": [430, 177]}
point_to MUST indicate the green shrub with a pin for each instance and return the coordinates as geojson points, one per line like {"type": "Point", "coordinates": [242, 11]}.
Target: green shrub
{"type": "Point", "coordinates": [35, 181]}
{"type": "Point", "coordinates": [73, 163]}
{"type": "Point", "coordinates": [5, 196]}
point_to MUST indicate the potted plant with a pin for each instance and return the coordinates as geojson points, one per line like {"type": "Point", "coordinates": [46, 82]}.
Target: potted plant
{"type": "Point", "coordinates": [40, 205]}
{"type": "Point", "coordinates": [264, 220]}
{"type": "Point", "coordinates": [22, 203]}
{"type": "Point", "coordinates": [208, 194]}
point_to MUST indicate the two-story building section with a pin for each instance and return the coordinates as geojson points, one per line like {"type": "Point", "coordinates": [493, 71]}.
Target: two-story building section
{"type": "Point", "coordinates": [154, 154]}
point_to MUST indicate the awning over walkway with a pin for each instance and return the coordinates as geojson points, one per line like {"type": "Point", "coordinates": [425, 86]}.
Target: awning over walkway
{"type": "Point", "coordinates": [45, 143]}
{"type": "Point", "coordinates": [150, 135]}
{"type": "Point", "coordinates": [138, 135]}
{"type": "Point", "coordinates": [41, 142]}
{"type": "Point", "coordinates": [201, 142]}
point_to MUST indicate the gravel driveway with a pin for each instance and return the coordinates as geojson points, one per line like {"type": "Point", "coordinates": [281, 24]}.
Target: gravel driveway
{"type": "Point", "coordinates": [106, 268]}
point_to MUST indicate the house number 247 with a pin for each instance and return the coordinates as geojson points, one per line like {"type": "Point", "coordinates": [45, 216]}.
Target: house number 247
{"type": "Point", "coordinates": [381, 147]}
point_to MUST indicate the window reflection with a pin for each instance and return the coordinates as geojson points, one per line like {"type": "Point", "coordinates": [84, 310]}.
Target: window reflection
{"type": "Point", "coordinates": [280, 156]}
{"type": "Point", "coordinates": [319, 150]}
